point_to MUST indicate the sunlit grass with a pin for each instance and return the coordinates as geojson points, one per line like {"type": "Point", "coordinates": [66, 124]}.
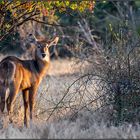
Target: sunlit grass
{"type": "Point", "coordinates": [85, 125]}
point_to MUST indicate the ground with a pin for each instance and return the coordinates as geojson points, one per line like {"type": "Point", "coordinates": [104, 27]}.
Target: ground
{"type": "Point", "coordinates": [86, 124]}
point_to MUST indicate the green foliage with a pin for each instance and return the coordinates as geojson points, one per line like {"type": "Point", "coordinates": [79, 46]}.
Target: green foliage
{"type": "Point", "coordinates": [15, 13]}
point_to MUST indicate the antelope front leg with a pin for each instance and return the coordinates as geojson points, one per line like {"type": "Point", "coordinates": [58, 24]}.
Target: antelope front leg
{"type": "Point", "coordinates": [32, 95]}
{"type": "Point", "coordinates": [25, 94]}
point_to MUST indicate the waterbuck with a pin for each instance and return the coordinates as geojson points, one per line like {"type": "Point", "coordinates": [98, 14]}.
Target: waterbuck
{"type": "Point", "coordinates": [24, 75]}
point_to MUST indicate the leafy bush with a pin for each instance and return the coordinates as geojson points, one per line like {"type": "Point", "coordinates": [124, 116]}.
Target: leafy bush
{"type": "Point", "coordinates": [114, 58]}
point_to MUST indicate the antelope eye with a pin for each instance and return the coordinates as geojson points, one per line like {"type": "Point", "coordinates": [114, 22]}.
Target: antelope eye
{"type": "Point", "coordinates": [39, 46]}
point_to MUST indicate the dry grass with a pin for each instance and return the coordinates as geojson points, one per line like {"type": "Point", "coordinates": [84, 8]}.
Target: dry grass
{"type": "Point", "coordinates": [85, 125]}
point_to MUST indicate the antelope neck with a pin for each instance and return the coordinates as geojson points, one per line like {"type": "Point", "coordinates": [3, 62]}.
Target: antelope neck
{"type": "Point", "coordinates": [41, 66]}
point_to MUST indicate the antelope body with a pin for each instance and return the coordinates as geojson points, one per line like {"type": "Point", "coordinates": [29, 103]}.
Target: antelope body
{"type": "Point", "coordinates": [24, 75]}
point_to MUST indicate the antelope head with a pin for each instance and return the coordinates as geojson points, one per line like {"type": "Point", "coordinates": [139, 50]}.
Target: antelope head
{"type": "Point", "coordinates": [42, 46]}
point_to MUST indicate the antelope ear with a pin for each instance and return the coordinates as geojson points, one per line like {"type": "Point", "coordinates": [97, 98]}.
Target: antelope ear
{"type": "Point", "coordinates": [54, 41]}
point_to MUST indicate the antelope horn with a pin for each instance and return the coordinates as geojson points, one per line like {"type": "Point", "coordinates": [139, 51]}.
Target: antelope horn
{"type": "Point", "coordinates": [35, 38]}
